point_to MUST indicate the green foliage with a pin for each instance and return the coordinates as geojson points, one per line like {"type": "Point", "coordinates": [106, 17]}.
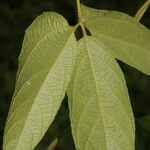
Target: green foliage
{"type": "Point", "coordinates": [145, 122]}
{"type": "Point", "coordinates": [127, 39]}
{"type": "Point", "coordinates": [45, 67]}
{"type": "Point", "coordinates": [100, 112]}
{"type": "Point", "coordinates": [100, 107]}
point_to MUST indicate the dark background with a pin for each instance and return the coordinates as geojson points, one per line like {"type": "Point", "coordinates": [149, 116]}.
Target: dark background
{"type": "Point", "coordinates": [16, 16]}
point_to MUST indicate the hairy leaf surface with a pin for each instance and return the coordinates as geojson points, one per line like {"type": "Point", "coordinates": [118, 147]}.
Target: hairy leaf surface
{"type": "Point", "coordinates": [101, 115]}
{"type": "Point", "coordinates": [45, 67]}
{"type": "Point", "coordinates": [127, 39]}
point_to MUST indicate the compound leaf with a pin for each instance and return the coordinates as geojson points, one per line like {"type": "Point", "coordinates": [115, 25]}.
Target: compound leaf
{"type": "Point", "coordinates": [45, 68]}
{"type": "Point", "coordinates": [100, 111]}
{"type": "Point", "coordinates": [127, 39]}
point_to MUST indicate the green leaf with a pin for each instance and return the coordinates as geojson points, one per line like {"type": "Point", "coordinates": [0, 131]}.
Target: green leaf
{"type": "Point", "coordinates": [128, 40]}
{"type": "Point", "coordinates": [45, 68]}
{"type": "Point", "coordinates": [145, 122]}
{"type": "Point", "coordinates": [101, 115]}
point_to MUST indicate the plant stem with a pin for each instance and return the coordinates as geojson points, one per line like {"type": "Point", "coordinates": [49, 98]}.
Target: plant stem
{"type": "Point", "coordinates": [83, 30]}
{"type": "Point", "coordinates": [142, 10]}
{"type": "Point", "coordinates": [80, 21]}
{"type": "Point", "coordinates": [79, 10]}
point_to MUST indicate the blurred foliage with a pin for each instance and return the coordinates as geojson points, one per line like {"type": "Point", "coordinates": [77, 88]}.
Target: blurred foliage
{"type": "Point", "coordinates": [16, 16]}
{"type": "Point", "coordinates": [145, 122]}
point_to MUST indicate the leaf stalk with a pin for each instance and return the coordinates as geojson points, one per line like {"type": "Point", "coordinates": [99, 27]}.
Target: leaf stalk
{"type": "Point", "coordinates": [142, 10]}
{"type": "Point", "coordinates": [79, 10]}
{"type": "Point", "coordinates": [80, 21]}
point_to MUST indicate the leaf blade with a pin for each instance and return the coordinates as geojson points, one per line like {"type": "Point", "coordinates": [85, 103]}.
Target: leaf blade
{"type": "Point", "coordinates": [127, 39]}
{"type": "Point", "coordinates": [43, 76]}
{"type": "Point", "coordinates": [90, 103]}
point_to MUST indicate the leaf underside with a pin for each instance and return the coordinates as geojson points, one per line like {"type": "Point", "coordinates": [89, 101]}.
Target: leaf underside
{"type": "Point", "coordinates": [127, 39]}
{"type": "Point", "coordinates": [100, 111]}
{"type": "Point", "coordinates": [101, 115]}
{"type": "Point", "coordinates": [45, 66]}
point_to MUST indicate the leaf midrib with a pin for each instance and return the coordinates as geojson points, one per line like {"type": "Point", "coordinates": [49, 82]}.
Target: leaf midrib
{"type": "Point", "coordinates": [90, 61]}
